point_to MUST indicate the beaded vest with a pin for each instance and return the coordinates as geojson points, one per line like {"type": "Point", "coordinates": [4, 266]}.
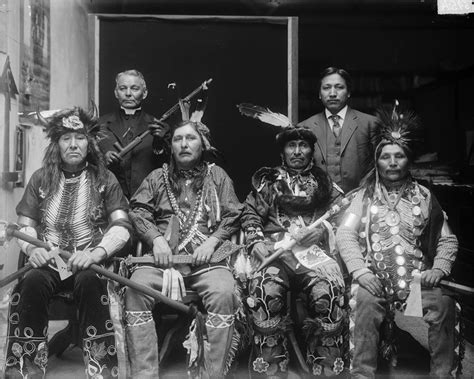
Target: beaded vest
{"type": "Point", "coordinates": [391, 230]}
{"type": "Point", "coordinates": [70, 219]}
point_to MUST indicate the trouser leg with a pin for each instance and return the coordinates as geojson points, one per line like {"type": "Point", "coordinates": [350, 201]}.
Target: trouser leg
{"type": "Point", "coordinates": [27, 352]}
{"type": "Point", "coordinates": [96, 325]}
{"type": "Point", "coordinates": [267, 303]}
{"type": "Point", "coordinates": [326, 329]}
{"type": "Point", "coordinates": [140, 332]}
{"type": "Point", "coordinates": [217, 291]}
{"type": "Point", "coordinates": [370, 312]}
{"type": "Point", "coordinates": [439, 313]}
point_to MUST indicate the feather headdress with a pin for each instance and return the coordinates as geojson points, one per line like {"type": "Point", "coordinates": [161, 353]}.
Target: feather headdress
{"type": "Point", "coordinates": [395, 127]}
{"type": "Point", "coordinates": [287, 131]}
{"type": "Point", "coordinates": [196, 116]}
{"type": "Point", "coordinates": [201, 102]}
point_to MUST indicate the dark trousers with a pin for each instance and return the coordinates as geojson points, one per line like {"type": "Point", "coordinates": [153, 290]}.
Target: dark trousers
{"type": "Point", "coordinates": [27, 351]}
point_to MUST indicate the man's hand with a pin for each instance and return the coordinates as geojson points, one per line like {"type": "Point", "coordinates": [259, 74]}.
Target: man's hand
{"type": "Point", "coordinates": [307, 237]}
{"type": "Point", "coordinates": [162, 252]}
{"type": "Point", "coordinates": [431, 278]}
{"type": "Point", "coordinates": [158, 128]}
{"type": "Point", "coordinates": [111, 157]}
{"type": "Point", "coordinates": [204, 252]}
{"type": "Point", "coordinates": [39, 257]}
{"type": "Point", "coordinates": [371, 283]}
{"type": "Point", "coordinates": [82, 259]}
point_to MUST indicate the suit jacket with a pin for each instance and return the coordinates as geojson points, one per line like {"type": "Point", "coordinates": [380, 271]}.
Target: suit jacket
{"type": "Point", "coordinates": [357, 145]}
{"type": "Point", "coordinates": [139, 162]}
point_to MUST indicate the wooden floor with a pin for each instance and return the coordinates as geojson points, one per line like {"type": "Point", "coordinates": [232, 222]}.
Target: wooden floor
{"type": "Point", "coordinates": [70, 365]}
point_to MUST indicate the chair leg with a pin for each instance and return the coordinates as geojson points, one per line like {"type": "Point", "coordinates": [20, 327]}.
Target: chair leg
{"type": "Point", "coordinates": [299, 355]}
{"type": "Point", "coordinates": [165, 346]}
{"type": "Point", "coordinates": [64, 338]}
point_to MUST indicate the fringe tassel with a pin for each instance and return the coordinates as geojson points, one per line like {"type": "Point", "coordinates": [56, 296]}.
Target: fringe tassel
{"type": "Point", "coordinates": [329, 270]}
{"type": "Point", "coordinates": [460, 342]}
{"type": "Point", "coordinates": [211, 203]}
{"type": "Point", "coordinates": [195, 344]}
{"type": "Point", "coordinates": [233, 349]}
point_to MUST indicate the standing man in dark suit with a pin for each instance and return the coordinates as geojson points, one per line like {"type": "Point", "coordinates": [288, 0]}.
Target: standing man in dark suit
{"type": "Point", "coordinates": [345, 137]}
{"type": "Point", "coordinates": [124, 125]}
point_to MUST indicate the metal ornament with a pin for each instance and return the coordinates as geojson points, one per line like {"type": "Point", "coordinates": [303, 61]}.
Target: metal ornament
{"type": "Point", "coordinates": [402, 294]}
{"type": "Point", "coordinates": [394, 230]}
{"type": "Point", "coordinates": [392, 218]}
{"type": "Point", "coordinates": [378, 256]}
{"type": "Point", "coordinates": [375, 228]}
{"type": "Point", "coordinates": [375, 237]}
{"type": "Point", "coordinates": [418, 253]}
{"type": "Point", "coordinates": [392, 197]}
{"type": "Point", "coordinates": [401, 271]}
{"type": "Point", "coordinates": [415, 200]}
{"type": "Point", "coordinates": [400, 260]}
{"type": "Point", "coordinates": [399, 249]}
{"type": "Point", "coordinates": [396, 239]}
{"type": "Point", "coordinates": [381, 265]}
{"type": "Point", "coordinates": [376, 246]}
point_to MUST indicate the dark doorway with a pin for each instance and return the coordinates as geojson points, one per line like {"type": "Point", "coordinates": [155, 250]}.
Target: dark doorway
{"type": "Point", "coordinates": [246, 58]}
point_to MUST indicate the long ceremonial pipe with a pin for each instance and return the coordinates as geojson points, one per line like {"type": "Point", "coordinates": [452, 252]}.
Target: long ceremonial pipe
{"type": "Point", "coordinates": [11, 232]}
{"type": "Point", "coordinates": [122, 151]}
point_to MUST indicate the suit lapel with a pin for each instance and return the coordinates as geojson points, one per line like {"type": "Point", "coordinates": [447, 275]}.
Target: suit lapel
{"type": "Point", "coordinates": [115, 126]}
{"type": "Point", "coordinates": [321, 130]}
{"type": "Point", "coordinates": [348, 128]}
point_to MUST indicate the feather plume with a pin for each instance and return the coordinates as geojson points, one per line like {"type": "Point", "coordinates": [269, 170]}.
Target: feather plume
{"type": "Point", "coordinates": [264, 114]}
{"type": "Point", "coordinates": [396, 127]}
{"type": "Point", "coordinates": [196, 116]}
{"type": "Point", "coordinates": [184, 107]}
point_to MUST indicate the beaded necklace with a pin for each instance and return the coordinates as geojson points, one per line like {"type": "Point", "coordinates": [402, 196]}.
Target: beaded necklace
{"type": "Point", "coordinates": [188, 223]}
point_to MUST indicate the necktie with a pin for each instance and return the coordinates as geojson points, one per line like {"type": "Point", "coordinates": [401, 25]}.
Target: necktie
{"type": "Point", "coordinates": [336, 127]}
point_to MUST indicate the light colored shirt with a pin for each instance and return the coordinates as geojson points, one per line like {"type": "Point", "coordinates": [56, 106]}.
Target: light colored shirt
{"type": "Point", "coordinates": [341, 114]}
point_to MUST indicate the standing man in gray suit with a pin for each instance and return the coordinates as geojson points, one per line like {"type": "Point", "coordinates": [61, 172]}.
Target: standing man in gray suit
{"type": "Point", "coordinates": [345, 137]}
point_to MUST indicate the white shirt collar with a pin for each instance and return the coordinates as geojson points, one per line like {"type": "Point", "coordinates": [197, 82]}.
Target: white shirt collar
{"type": "Point", "coordinates": [130, 111]}
{"type": "Point", "coordinates": [341, 114]}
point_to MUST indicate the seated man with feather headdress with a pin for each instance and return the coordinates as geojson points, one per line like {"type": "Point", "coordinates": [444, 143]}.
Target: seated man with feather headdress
{"type": "Point", "coordinates": [397, 245]}
{"type": "Point", "coordinates": [201, 195]}
{"type": "Point", "coordinates": [283, 202]}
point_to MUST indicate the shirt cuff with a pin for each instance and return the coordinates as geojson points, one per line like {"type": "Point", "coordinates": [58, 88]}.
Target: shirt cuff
{"type": "Point", "coordinates": [356, 264]}
{"type": "Point", "coordinates": [443, 265]}
{"type": "Point", "coordinates": [358, 273]}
